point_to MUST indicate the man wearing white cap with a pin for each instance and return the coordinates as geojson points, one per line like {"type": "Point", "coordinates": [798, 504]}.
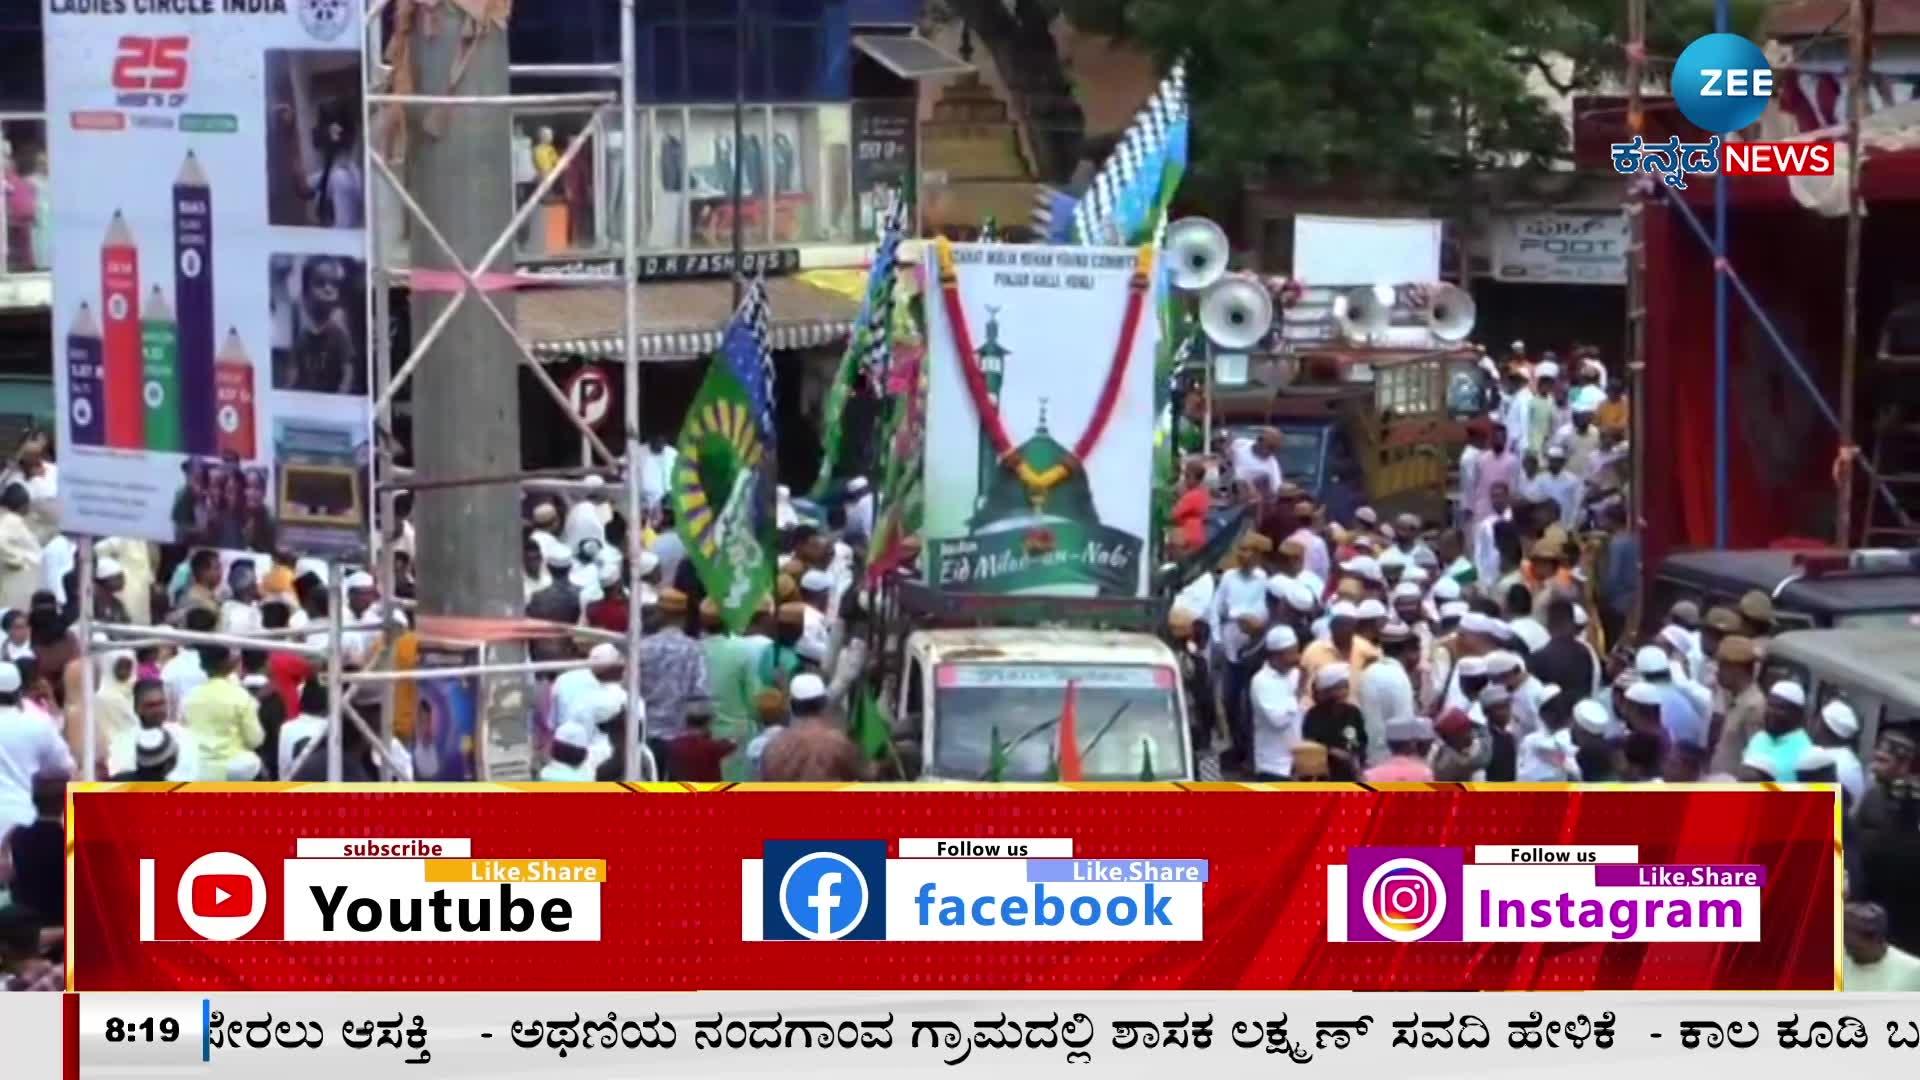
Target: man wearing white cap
{"type": "Point", "coordinates": [1342, 645]}
{"type": "Point", "coordinates": [859, 507]}
{"type": "Point", "coordinates": [816, 635]}
{"type": "Point", "coordinates": [1275, 697]}
{"type": "Point", "coordinates": [1541, 406]}
{"type": "Point", "coordinates": [1785, 738]}
{"type": "Point", "coordinates": [1408, 743]}
{"type": "Point", "coordinates": [1680, 715]}
{"type": "Point", "coordinates": [559, 601]}
{"type": "Point", "coordinates": [1837, 728]}
{"type": "Point", "coordinates": [1580, 438]}
{"type": "Point", "coordinates": [573, 691]}
{"type": "Point", "coordinates": [29, 747]}
{"type": "Point", "coordinates": [569, 756]}
{"type": "Point", "coordinates": [584, 519]}
{"type": "Point", "coordinates": [1384, 692]}
{"type": "Point", "coordinates": [656, 464]}
{"type": "Point", "coordinates": [1559, 485]}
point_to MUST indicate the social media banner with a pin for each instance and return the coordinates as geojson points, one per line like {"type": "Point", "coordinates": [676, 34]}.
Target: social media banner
{"type": "Point", "coordinates": [1214, 887]}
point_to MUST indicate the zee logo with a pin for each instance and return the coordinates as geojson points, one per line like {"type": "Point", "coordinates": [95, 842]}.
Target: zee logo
{"type": "Point", "coordinates": [221, 896]}
{"type": "Point", "coordinates": [824, 890]}
{"type": "Point", "coordinates": [1722, 83]}
{"type": "Point", "coordinates": [151, 72]}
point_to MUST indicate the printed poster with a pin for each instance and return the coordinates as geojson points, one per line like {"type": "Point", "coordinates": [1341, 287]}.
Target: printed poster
{"type": "Point", "coordinates": [883, 162]}
{"type": "Point", "coordinates": [1045, 325]}
{"type": "Point", "coordinates": [210, 273]}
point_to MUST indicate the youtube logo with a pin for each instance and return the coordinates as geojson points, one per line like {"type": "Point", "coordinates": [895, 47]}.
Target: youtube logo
{"type": "Point", "coordinates": [222, 896]}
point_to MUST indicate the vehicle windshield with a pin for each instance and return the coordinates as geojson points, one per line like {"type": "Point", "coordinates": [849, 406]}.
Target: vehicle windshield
{"type": "Point", "coordinates": [1127, 721]}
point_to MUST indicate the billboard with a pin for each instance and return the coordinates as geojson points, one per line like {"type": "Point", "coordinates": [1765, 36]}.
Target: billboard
{"type": "Point", "coordinates": [210, 275]}
{"type": "Point", "coordinates": [1040, 415]}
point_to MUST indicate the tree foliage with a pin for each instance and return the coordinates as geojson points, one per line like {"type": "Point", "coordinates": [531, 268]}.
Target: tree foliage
{"type": "Point", "coordinates": [1397, 95]}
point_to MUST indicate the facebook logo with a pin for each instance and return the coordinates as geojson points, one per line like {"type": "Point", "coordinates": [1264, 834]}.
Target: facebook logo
{"type": "Point", "coordinates": [825, 890]}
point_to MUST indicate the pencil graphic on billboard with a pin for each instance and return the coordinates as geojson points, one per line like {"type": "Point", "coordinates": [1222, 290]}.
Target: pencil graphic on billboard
{"type": "Point", "coordinates": [193, 300]}
{"type": "Point", "coordinates": [86, 408]}
{"type": "Point", "coordinates": [160, 364]}
{"type": "Point", "coordinates": [120, 297]}
{"type": "Point", "coordinates": [233, 397]}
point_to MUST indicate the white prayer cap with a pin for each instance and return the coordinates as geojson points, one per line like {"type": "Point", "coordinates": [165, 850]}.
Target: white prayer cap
{"type": "Point", "coordinates": [857, 485]}
{"type": "Point", "coordinates": [1331, 676]}
{"type": "Point", "coordinates": [1474, 622]}
{"type": "Point", "coordinates": [1370, 609]}
{"type": "Point", "coordinates": [1396, 631]}
{"type": "Point", "coordinates": [604, 653]}
{"type": "Point", "coordinates": [1454, 609]}
{"type": "Point", "coordinates": [1547, 370]}
{"type": "Point", "coordinates": [812, 647]}
{"type": "Point", "coordinates": [816, 581]}
{"type": "Point", "coordinates": [1592, 717]}
{"type": "Point", "coordinates": [1415, 575]}
{"type": "Point", "coordinates": [1282, 638]}
{"type": "Point", "coordinates": [1406, 590]}
{"type": "Point", "coordinates": [1518, 345]}
{"type": "Point", "coordinates": [1644, 693]}
{"type": "Point", "coordinates": [646, 564]}
{"type": "Point", "coordinates": [360, 579]}
{"type": "Point", "coordinates": [1446, 589]}
{"type": "Point", "coordinates": [1300, 598]}
{"type": "Point", "coordinates": [1343, 609]}
{"type": "Point", "coordinates": [806, 686]}
{"type": "Point", "coordinates": [1364, 567]}
{"type": "Point", "coordinates": [1393, 557]}
{"type": "Point", "coordinates": [575, 734]}
{"type": "Point", "coordinates": [1503, 631]}
{"type": "Point", "coordinates": [608, 702]}
{"type": "Point", "coordinates": [1530, 632]}
{"type": "Point", "coordinates": [1495, 694]}
{"type": "Point", "coordinates": [782, 491]}
{"type": "Point", "coordinates": [609, 574]}
{"type": "Point", "coordinates": [1588, 399]}
{"type": "Point", "coordinates": [1366, 514]}
{"type": "Point", "coordinates": [1315, 584]}
{"type": "Point", "coordinates": [1424, 557]}
{"type": "Point", "coordinates": [555, 552]}
{"type": "Point", "coordinates": [1557, 452]}
{"type": "Point", "coordinates": [253, 682]}
{"type": "Point", "coordinates": [9, 677]}
{"type": "Point", "coordinates": [1759, 761]}
{"type": "Point", "coordinates": [1788, 691]}
{"type": "Point", "coordinates": [1502, 663]}
{"type": "Point", "coordinates": [594, 480]}
{"type": "Point", "coordinates": [309, 565]}
{"type": "Point", "coordinates": [1651, 660]}
{"type": "Point", "coordinates": [1473, 667]}
{"type": "Point", "coordinates": [1840, 719]}
{"type": "Point", "coordinates": [107, 568]}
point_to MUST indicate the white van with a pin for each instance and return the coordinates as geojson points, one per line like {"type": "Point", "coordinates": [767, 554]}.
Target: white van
{"type": "Point", "coordinates": [963, 691]}
{"type": "Point", "coordinates": [1875, 670]}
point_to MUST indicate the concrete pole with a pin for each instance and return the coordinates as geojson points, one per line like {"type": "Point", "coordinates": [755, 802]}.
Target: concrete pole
{"type": "Point", "coordinates": [466, 390]}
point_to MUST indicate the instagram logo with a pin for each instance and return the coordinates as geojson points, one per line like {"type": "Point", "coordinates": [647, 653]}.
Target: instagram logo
{"type": "Point", "coordinates": [1405, 900]}
{"type": "Point", "coordinates": [1403, 894]}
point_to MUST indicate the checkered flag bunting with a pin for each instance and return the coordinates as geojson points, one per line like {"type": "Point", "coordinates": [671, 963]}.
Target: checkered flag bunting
{"type": "Point", "coordinates": [1120, 203]}
{"type": "Point", "coordinates": [756, 317]}
{"type": "Point", "coordinates": [877, 339]}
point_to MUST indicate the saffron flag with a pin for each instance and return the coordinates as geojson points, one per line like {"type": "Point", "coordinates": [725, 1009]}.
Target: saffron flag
{"type": "Point", "coordinates": [723, 481]}
{"type": "Point", "coordinates": [1070, 771]}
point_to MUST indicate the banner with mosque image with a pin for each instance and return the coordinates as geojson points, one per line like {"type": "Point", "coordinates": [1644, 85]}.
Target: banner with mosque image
{"type": "Point", "coordinates": [1040, 416]}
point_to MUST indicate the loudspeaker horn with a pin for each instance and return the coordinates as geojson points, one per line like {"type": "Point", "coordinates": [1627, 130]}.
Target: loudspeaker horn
{"type": "Point", "coordinates": [1364, 313]}
{"type": "Point", "coordinates": [1236, 312]}
{"type": "Point", "coordinates": [1449, 312]}
{"type": "Point", "coordinates": [1197, 250]}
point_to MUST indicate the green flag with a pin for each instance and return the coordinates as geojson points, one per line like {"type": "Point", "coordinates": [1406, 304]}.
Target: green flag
{"type": "Point", "coordinates": [1146, 761]}
{"type": "Point", "coordinates": [996, 757]}
{"type": "Point", "coordinates": [869, 726]}
{"type": "Point", "coordinates": [729, 537]}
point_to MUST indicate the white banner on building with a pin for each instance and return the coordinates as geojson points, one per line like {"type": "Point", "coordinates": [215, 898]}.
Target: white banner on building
{"type": "Point", "coordinates": [210, 273]}
{"type": "Point", "coordinates": [1556, 247]}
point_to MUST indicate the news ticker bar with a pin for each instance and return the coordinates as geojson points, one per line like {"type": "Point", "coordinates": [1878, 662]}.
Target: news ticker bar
{"type": "Point", "coordinates": [740, 1034]}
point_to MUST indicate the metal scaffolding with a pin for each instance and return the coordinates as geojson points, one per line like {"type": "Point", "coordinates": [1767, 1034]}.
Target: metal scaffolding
{"type": "Point", "coordinates": [470, 284]}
